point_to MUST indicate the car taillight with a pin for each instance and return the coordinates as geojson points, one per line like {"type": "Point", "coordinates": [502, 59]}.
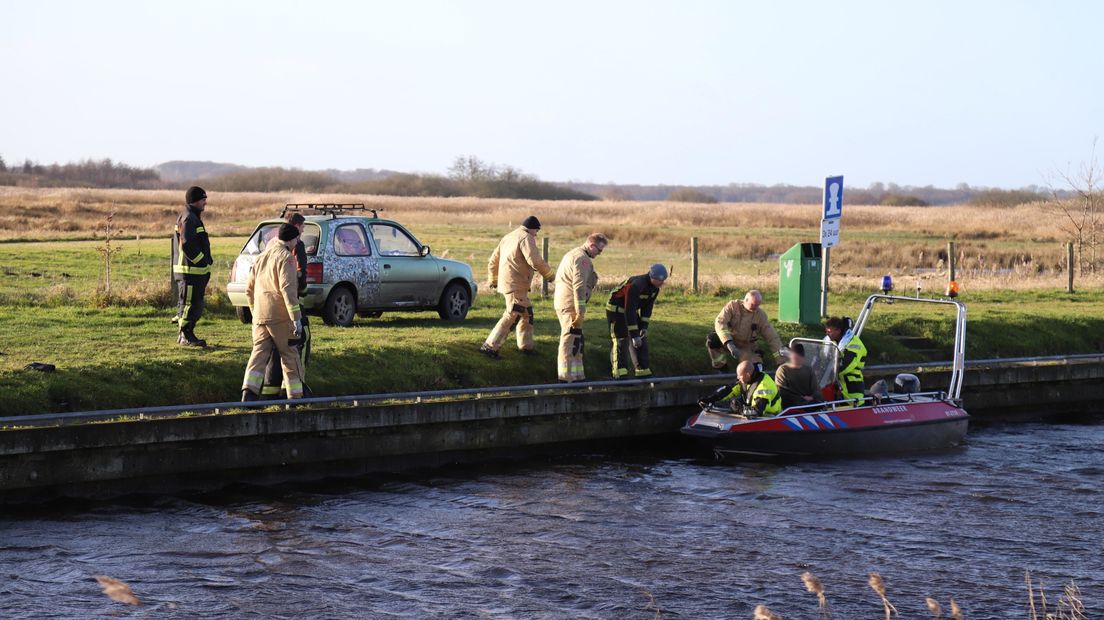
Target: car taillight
{"type": "Point", "coordinates": [314, 273]}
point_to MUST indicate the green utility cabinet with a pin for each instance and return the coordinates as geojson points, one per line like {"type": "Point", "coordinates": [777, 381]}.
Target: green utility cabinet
{"type": "Point", "coordinates": [799, 284]}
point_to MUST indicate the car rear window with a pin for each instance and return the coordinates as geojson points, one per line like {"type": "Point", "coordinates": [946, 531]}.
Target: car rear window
{"type": "Point", "coordinates": [267, 232]}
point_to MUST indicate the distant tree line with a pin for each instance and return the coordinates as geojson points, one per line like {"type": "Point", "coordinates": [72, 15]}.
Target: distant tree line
{"type": "Point", "coordinates": [87, 173]}
{"type": "Point", "coordinates": [471, 176]}
{"type": "Point", "coordinates": [890, 194]}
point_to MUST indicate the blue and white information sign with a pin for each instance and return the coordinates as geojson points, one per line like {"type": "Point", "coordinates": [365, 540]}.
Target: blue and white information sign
{"type": "Point", "coordinates": [833, 210]}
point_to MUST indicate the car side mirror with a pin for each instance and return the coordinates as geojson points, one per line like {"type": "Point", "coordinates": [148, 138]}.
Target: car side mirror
{"type": "Point", "coordinates": [424, 251]}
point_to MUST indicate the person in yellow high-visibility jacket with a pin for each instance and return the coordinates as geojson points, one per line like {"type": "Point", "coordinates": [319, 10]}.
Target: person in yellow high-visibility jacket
{"type": "Point", "coordinates": [755, 393]}
{"type": "Point", "coordinates": [852, 359]}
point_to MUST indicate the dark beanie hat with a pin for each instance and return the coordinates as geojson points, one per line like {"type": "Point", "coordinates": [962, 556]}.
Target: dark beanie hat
{"type": "Point", "coordinates": [194, 195]}
{"type": "Point", "coordinates": [531, 222]}
{"type": "Point", "coordinates": [288, 232]}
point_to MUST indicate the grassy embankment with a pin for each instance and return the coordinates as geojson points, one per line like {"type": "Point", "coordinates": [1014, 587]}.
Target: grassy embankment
{"type": "Point", "coordinates": [120, 352]}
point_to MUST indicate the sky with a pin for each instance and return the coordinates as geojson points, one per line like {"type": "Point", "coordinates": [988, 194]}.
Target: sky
{"type": "Point", "coordinates": [680, 92]}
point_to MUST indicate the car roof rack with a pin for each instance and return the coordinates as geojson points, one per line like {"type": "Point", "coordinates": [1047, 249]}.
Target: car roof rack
{"type": "Point", "coordinates": [332, 209]}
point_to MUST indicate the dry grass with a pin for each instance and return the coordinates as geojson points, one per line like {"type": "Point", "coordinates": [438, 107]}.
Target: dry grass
{"type": "Point", "coordinates": [762, 612]}
{"type": "Point", "coordinates": [1070, 603]}
{"type": "Point", "coordinates": [813, 585]}
{"type": "Point", "coordinates": [997, 248]}
{"type": "Point", "coordinates": [117, 590]}
{"type": "Point", "coordinates": [878, 585]}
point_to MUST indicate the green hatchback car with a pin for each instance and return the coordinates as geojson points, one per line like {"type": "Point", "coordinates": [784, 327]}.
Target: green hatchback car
{"type": "Point", "coordinates": [361, 264]}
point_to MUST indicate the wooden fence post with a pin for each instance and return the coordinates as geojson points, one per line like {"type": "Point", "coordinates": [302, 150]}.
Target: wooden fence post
{"type": "Point", "coordinates": [694, 264]}
{"type": "Point", "coordinates": [1069, 267]}
{"type": "Point", "coordinates": [951, 261]}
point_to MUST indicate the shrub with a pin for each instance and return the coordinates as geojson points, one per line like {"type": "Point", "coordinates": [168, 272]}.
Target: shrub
{"type": "Point", "coordinates": [899, 200]}
{"type": "Point", "coordinates": [685, 194]}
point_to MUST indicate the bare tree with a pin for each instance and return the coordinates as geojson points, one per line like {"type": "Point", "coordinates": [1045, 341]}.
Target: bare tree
{"type": "Point", "coordinates": [1078, 202]}
{"type": "Point", "coordinates": [470, 168]}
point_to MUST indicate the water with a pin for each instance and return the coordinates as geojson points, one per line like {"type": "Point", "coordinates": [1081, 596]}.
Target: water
{"type": "Point", "coordinates": [591, 536]}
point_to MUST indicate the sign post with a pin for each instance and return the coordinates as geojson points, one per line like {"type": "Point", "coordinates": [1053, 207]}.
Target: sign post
{"type": "Point", "coordinates": [829, 232]}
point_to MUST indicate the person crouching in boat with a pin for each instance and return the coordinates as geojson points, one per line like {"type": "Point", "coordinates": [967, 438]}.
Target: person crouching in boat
{"type": "Point", "coordinates": [796, 381]}
{"type": "Point", "coordinates": [852, 359]}
{"type": "Point", "coordinates": [755, 393]}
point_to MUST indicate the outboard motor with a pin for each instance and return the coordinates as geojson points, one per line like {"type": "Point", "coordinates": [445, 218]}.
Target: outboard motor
{"type": "Point", "coordinates": [906, 383]}
{"type": "Point", "coordinates": [880, 391]}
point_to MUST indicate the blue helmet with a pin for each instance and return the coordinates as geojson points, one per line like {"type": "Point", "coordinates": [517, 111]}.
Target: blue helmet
{"type": "Point", "coordinates": [657, 272]}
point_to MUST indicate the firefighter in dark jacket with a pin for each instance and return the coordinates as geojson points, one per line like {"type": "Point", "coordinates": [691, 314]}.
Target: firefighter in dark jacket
{"type": "Point", "coordinates": [273, 386]}
{"type": "Point", "coordinates": [628, 312]}
{"type": "Point", "coordinates": [191, 265]}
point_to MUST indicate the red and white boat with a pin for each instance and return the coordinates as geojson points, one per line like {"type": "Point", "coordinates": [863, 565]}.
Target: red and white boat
{"type": "Point", "coordinates": [904, 420]}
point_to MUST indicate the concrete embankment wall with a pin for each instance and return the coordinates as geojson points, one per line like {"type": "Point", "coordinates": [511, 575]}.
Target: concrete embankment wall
{"type": "Point", "coordinates": [158, 449]}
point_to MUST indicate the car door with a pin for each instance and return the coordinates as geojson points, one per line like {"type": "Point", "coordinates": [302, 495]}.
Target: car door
{"type": "Point", "coordinates": [407, 278]}
{"type": "Point", "coordinates": [351, 260]}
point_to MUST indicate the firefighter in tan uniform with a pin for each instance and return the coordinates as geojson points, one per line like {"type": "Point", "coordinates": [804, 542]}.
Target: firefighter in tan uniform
{"type": "Point", "coordinates": [575, 281]}
{"type": "Point", "coordinates": [277, 320]}
{"type": "Point", "coordinates": [510, 270]}
{"type": "Point", "coordinates": [737, 330]}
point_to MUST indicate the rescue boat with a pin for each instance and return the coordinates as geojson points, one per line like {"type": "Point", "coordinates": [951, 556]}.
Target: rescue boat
{"type": "Point", "coordinates": [904, 419]}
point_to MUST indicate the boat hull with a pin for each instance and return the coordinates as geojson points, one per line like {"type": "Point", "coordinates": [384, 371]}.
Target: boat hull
{"type": "Point", "coordinates": [886, 429]}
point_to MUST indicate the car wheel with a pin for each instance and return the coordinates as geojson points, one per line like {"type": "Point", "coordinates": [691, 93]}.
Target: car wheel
{"type": "Point", "coordinates": [340, 307]}
{"type": "Point", "coordinates": [244, 315]}
{"type": "Point", "coordinates": [455, 302]}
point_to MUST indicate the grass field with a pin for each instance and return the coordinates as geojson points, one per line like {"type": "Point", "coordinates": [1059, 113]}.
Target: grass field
{"type": "Point", "coordinates": [119, 351]}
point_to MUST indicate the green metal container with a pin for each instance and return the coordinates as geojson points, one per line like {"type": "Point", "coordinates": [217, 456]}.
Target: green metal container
{"type": "Point", "coordinates": [799, 284]}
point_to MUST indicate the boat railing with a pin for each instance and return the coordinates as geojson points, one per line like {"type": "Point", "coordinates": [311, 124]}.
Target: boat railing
{"type": "Point", "coordinates": [958, 364]}
{"type": "Point", "coordinates": [866, 401]}
{"type": "Point", "coordinates": [839, 405]}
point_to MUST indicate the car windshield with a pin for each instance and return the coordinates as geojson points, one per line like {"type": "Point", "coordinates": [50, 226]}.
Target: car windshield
{"type": "Point", "coordinates": [394, 241]}
{"type": "Point", "coordinates": [267, 232]}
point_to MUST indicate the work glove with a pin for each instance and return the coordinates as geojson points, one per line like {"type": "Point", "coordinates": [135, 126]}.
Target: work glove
{"type": "Point", "coordinates": [578, 320]}
{"type": "Point", "coordinates": [733, 350]}
{"type": "Point", "coordinates": [297, 331]}
{"type": "Point", "coordinates": [551, 276]}
{"type": "Point", "coordinates": [643, 333]}
{"type": "Point", "coordinates": [492, 285]}
{"type": "Point", "coordinates": [638, 342]}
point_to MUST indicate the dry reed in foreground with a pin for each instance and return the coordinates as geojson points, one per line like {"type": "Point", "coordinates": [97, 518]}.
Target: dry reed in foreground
{"type": "Point", "coordinates": [1070, 604]}
{"type": "Point", "coordinates": [117, 590]}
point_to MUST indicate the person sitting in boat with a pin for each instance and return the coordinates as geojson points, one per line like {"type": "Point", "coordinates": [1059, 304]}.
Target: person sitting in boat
{"type": "Point", "coordinates": [852, 359]}
{"type": "Point", "coordinates": [796, 380]}
{"type": "Point", "coordinates": [755, 393]}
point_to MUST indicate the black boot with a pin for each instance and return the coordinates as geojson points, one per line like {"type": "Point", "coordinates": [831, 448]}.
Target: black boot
{"type": "Point", "coordinates": [188, 338]}
{"type": "Point", "coordinates": [249, 396]}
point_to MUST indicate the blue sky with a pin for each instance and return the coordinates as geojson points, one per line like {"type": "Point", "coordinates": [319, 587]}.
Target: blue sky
{"type": "Point", "coordinates": [988, 93]}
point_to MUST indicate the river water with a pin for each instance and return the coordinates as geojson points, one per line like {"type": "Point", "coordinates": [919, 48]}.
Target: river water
{"type": "Point", "coordinates": [599, 535]}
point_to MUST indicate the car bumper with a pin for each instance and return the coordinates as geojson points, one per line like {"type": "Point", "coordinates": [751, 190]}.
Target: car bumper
{"type": "Point", "coordinates": [311, 300]}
